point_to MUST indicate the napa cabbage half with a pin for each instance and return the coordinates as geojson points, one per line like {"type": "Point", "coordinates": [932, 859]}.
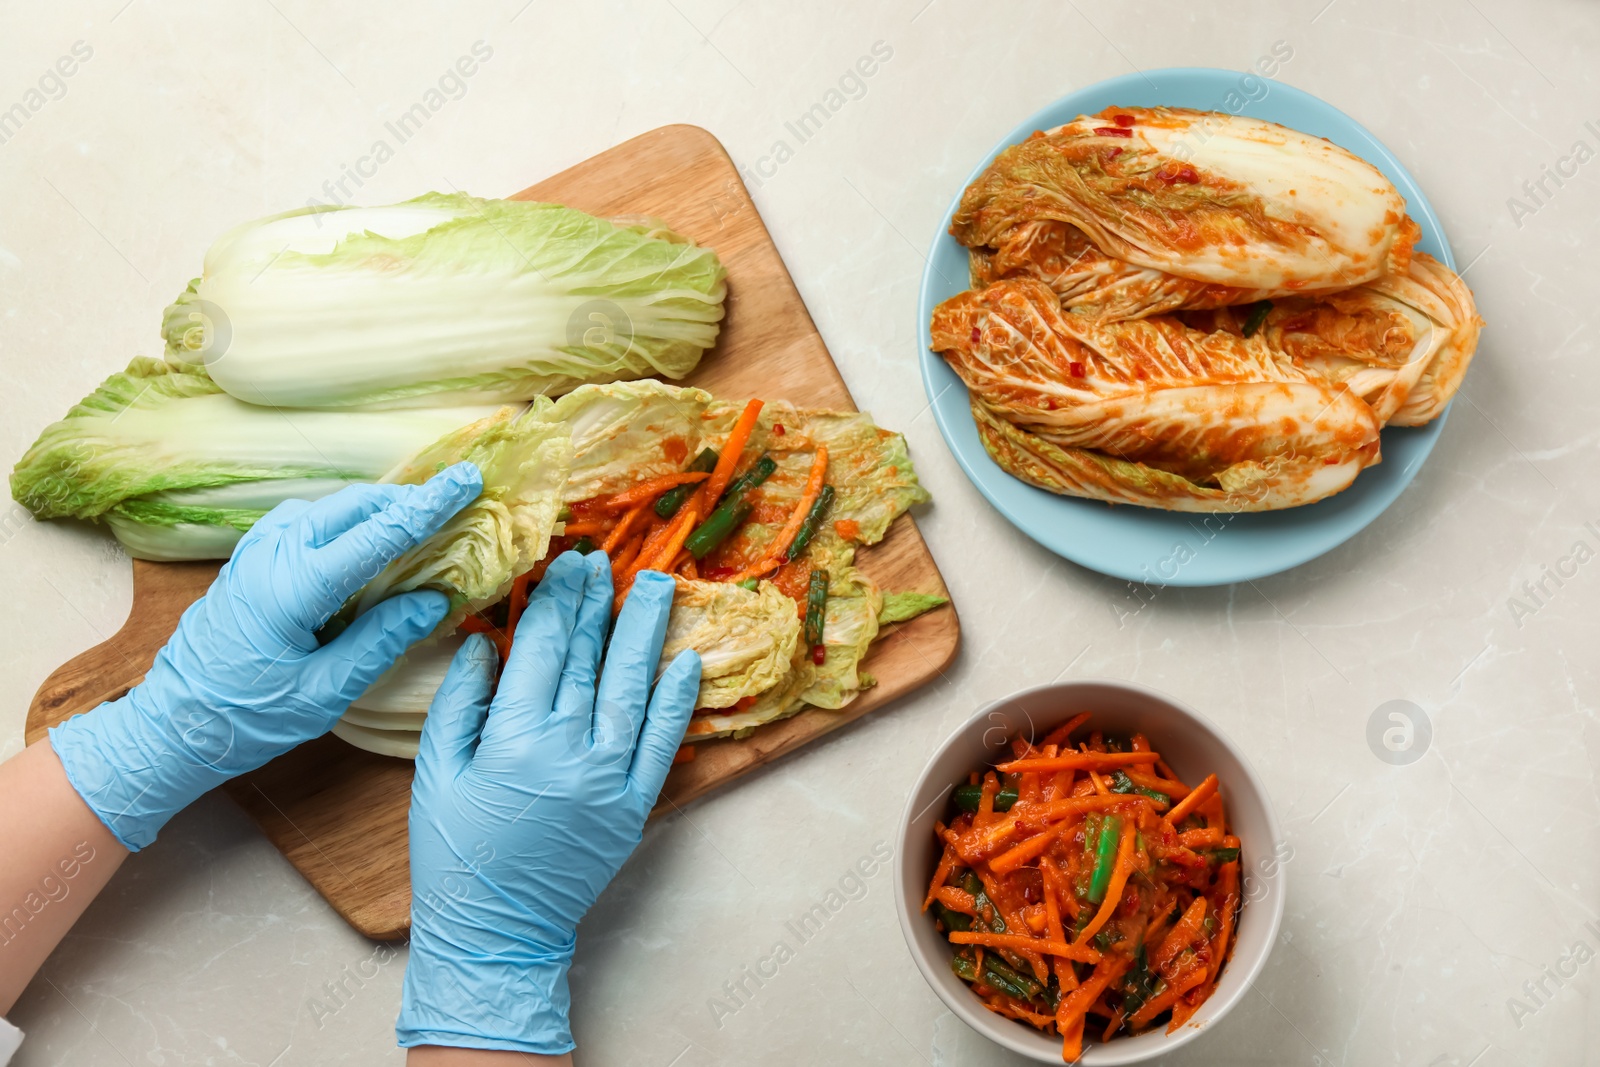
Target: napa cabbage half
{"type": "Point", "coordinates": [180, 470]}
{"type": "Point", "coordinates": [443, 299]}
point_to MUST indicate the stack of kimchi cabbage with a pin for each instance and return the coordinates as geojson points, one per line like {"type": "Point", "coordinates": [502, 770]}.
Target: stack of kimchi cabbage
{"type": "Point", "coordinates": [1196, 311]}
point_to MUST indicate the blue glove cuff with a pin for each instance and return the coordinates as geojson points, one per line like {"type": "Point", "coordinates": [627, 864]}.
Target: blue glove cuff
{"type": "Point", "coordinates": [135, 771]}
{"type": "Point", "coordinates": [463, 998]}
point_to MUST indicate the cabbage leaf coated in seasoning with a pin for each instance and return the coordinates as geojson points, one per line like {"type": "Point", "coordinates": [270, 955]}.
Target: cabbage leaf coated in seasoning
{"type": "Point", "coordinates": [849, 626]}
{"type": "Point", "coordinates": [746, 638]}
{"type": "Point", "coordinates": [444, 299]}
{"type": "Point", "coordinates": [627, 432]}
{"type": "Point", "coordinates": [1085, 472]}
{"type": "Point", "coordinates": [1149, 411]}
{"type": "Point", "coordinates": [1402, 343]}
{"type": "Point", "coordinates": [869, 467]}
{"type": "Point", "coordinates": [1135, 211]}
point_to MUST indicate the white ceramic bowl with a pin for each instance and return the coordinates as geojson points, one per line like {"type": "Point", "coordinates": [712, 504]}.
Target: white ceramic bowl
{"type": "Point", "coordinates": [1193, 747]}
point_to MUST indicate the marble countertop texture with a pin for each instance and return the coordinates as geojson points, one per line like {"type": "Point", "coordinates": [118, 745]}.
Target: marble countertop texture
{"type": "Point", "coordinates": [1441, 912]}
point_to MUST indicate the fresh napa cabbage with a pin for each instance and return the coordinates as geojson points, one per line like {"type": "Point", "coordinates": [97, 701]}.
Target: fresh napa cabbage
{"type": "Point", "coordinates": [746, 638]}
{"type": "Point", "coordinates": [1217, 199]}
{"type": "Point", "coordinates": [180, 469]}
{"type": "Point", "coordinates": [524, 457]}
{"type": "Point", "coordinates": [206, 523]}
{"type": "Point", "coordinates": [401, 744]}
{"type": "Point", "coordinates": [407, 688]}
{"type": "Point", "coordinates": [443, 299]}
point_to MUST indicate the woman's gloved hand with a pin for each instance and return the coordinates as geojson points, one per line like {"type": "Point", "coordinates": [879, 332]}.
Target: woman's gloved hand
{"type": "Point", "coordinates": [524, 807]}
{"type": "Point", "coordinates": [243, 679]}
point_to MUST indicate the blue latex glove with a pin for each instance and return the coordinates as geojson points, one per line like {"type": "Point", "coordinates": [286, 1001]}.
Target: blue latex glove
{"type": "Point", "coordinates": [243, 679]}
{"type": "Point", "coordinates": [524, 808]}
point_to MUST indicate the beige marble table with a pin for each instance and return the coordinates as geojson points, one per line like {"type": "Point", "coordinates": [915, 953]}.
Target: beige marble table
{"type": "Point", "coordinates": [1435, 908]}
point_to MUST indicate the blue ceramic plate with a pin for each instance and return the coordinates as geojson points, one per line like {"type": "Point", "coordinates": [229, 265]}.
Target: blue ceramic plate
{"type": "Point", "coordinates": [1142, 544]}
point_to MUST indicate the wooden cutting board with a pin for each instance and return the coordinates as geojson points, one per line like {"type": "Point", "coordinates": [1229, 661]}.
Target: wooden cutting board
{"type": "Point", "coordinates": [338, 813]}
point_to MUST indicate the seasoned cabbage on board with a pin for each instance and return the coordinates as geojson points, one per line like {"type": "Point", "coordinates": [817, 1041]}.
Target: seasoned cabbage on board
{"type": "Point", "coordinates": [757, 665]}
{"type": "Point", "coordinates": [1196, 311]}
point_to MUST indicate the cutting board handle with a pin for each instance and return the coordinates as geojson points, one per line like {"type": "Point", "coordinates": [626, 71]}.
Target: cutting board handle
{"type": "Point", "coordinates": [161, 592]}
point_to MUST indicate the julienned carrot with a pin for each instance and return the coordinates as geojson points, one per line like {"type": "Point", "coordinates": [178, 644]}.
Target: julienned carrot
{"type": "Point", "coordinates": [1025, 944]}
{"type": "Point", "coordinates": [583, 527]}
{"type": "Point", "coordinates": [1184, 1007]}
{"type": "Point", "coordinates": [625, 527]}
{"type": "Point", "coordinates": [1072, 1040]}
{"type": "Point", "coordinates": [650, 556]}
{"type": "Point", "coordinates": [1170, 786]}
{"type": "Point", "coordinates": [957, 899]}
{"type": "Point", "coordinates": [1011, 1008]}
{"type": "Point", "coordinates": [647, 491]}
{"type": "Point", "coordinates": [1119, 878]}
{"type": "Point", "coordinates": [1217, 815]}
{"type": "Point", "coordinates": [991, 788]}
{"type": "Point", "coordinates": [1052, 903]}
{"type": "Point", "coordinates": [815, 480]}
{"type": "Point", "coordinates": [1181, 984]}
{"type": "Point", "coordinates": [652, 541]}
{"type": "Point", "coordinates": [664, 556]}
{"type": "Point", "coordinates": [626, 555]}
{"type": "Point", "coordinates": [1196, 797]}
{"type": "Point", "coordinates": [983, 839]}
{"type": "Point", "coordinates": [685, 754]}
{"type": "Point", "coordinates": [1099, 761]}
{"type": "Point", "coordinates": [1184, 933]}
{"type": "Point", "coordinates": [1051, 810]}
{"type": "Point", "coordinates": [1076, 1003]}
{"type": "Point", "coordinates": [1211, 837]}
{"type": "Point", "coordinates": [1059, 735]}
{"type": "Point", "coordinates": [1229, 878]}
{"type": "Point", "coordinates": [711, 489]}
{"type": "Point", "coordinates": [1017, 855]}
{"type": "Point", "coordinates": [1063, 877]}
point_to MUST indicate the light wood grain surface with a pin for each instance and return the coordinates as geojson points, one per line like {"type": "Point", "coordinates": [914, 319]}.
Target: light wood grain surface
{"type": "Point", "coordinates": [339, 814]}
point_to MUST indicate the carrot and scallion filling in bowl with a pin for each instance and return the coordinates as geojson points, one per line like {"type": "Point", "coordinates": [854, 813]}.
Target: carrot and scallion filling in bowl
{"type": "Point", "coordinates": [1086, 888]}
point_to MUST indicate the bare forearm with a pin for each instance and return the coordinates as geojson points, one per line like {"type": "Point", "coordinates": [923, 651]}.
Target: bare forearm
{"type": "Point", "coordinates": [438, 1056]}
{"type": "Point", "coordinates": [58, 856]}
